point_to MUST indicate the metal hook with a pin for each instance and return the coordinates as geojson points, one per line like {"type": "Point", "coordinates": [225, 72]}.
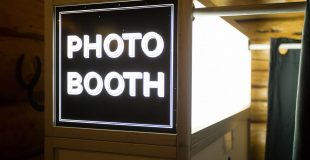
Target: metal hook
{"type": "Point", "coordinates": [31, 85]}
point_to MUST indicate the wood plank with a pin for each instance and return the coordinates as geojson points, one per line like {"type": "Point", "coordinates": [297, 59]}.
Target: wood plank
{"type": "Point", "coordinates": [270, 16]}
{"type": "Point", "coordinates": [260, 79]}
{"type": "Point", "coordinates": [243, 2]}
{"type": "Point", "coordinates": [259, 94]}
{"type": "Point", "coordinates": [260, 55]}
{"type": "Point", "coordinates": [10, 50]}
{"type": "Point", "coordinates": [258, 111]}
{"type": "Point", "coordinates": [62, 154]}
{"type": "Point", "coordinates": [264, 29]}
{"type": "Point", "coordinates": [22, 16]}
{"type": "Point", "coordinates": [258, 65]}
{"type": "Point", "coordinates": [143, 150]}
{"type": "Point", "coordinates": [22, 131]}
{"type": "Point", "coordinates": [257, 141]}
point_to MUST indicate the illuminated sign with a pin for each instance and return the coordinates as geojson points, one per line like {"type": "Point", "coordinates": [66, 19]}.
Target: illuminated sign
{"type": "Point", "coordinates": [115, 66]}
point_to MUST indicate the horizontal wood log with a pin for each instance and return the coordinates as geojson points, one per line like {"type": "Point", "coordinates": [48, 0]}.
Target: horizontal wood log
{"type": "Point", "coordinates": [22, 131]}
{"type": "Point", "coordinates": [243, 2]}
{"type": "Point", "coordinates": [260, 79]}
{"type": "Point", "coordinates": [258, 112]}
{"type": "Point", "coordinates": [8, 32]}
{"type": "Point", "coordinates": [22, 16]}
{"type": "Point", "coordinates": [10, 50]}
{"type": "Point", "coordinates": [259, 94]}
{"type": "Point", "coordinates": [257, 141]}
{"type": "Point", "coordinates": [264, 29]}
{"type": "Point", "coordinates": [260, 65]}
{"type": "Point", "coordinates": [260, 55]}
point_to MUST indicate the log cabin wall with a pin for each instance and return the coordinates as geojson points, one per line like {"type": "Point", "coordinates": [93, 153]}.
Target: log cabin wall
{"type": "Point", "coordinates": [21, 32]}
{"type": "Point", "coordinates": [260, 29]}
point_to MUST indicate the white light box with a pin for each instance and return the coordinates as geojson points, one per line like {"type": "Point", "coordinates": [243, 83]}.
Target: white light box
{"type": "Point", "coordinates": [221, 71]}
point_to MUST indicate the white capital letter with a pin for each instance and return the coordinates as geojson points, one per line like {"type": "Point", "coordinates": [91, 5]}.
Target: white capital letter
{"type": "Point", "coordinates": [159, 46]}
{"type": "Point", "coordinates": [132, 76]}
{"type": "Point", "coordinates": [132, 37]}
{"type": "Point", "coordinates": [159, 84]}
{"type": "Point", "coordinates": [74, 80]}
{"type": "Point", "coordinates": [96, 46]}
{"type": "Point", "coordinates": [120, 45]}
{"type": "Point", "coordinates": [121, 84]}
{"type": "Point", "coordinates": [71, 47]}
{"type": "Point", "coordinates": [98, 88]}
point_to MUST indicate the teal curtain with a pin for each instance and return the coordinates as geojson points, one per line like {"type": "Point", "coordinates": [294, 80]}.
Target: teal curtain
{"type": "Point", "coordinates": [302, 129]}
{"type": "Point", "coordinates": [282, 91]}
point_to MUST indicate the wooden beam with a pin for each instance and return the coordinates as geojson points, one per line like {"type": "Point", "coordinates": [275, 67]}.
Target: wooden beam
{"type": "Point", "coordinates": [264, 29]}
{"type": "Point", "coordinates": [230, 20]}
{"type": "Point", "coordinates": [256, 9]}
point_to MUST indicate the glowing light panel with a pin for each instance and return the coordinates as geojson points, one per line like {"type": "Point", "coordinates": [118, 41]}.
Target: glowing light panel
{"type": "Point", "coordinates": [221, 71]}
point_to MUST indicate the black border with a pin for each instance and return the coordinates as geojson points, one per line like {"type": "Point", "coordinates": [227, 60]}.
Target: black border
{"type": "Point", "coordinates": [58, 9]}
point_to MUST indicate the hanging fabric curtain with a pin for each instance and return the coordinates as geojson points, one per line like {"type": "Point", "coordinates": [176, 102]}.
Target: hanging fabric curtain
{"type": "Point", "coordinates": [302, 129]}
{"type": "Point", "coordinates": [282, 91]}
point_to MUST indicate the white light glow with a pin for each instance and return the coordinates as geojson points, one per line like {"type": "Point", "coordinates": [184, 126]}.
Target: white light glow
{"type": "Point", "coordinates": [98, 88]}
{"type": "Point", "coordinates": [120, 45]}
{"type": "Point", "coordinates": [77, 46]}
{"type": "Point", "coordinates": [71, 47]}
{"type": "Point", "coordinates": [120, 87]}
{"type": "Point", "coordinates": [221, 71]}
{"type": "Point", "coordinates": [159, 84]}
{"type": "Point", "coordinates": [159, 47]}
{"type": "Point", "coordinates": [132, 76]}
{"type": "Point", "coordinates": [93, 46]}
{"type": "Point", "coordinates": [74, 80]}
{"type": "Point", "coordinates": [132, 37]}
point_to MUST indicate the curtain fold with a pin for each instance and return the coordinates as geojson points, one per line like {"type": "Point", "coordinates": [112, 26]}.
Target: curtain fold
{"type": "Point", "coordinates": [302, 129]}
{"type": "Point", "coordinates": [282, 91]}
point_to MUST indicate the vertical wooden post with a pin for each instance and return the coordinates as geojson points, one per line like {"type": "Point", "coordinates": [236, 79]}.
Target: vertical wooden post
{"type": "Point", "coordinates": [184, 79]}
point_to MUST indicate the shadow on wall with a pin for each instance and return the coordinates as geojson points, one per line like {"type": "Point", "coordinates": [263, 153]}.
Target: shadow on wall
{"type": "Point", "coordinates": [21, 32]}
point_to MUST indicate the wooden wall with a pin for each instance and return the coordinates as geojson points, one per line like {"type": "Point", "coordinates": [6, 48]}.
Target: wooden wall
{"type": "Point", "coordinates": [259, 106]}
{"type": "Point", "coordinates": [21, 32]}
{"type": "Point", "coordinates": [260, 29]}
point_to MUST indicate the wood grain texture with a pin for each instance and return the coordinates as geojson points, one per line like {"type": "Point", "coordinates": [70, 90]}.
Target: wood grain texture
{"type": "Point", "coordinates": [260, 55]}
{"type": "Point", "coordinates": [259, 94]}
{"type": "Point", "coordinates": [257, 141]}
{"type": "Point", "coordinates": [260, 65]}
{"type": "Point", "coordinates": [22, 16]}
{"type": "Point", "coordinates": [258, 112]}
{"type": "Point", "coordinates": [21, 32]}
{"type": "Point", "coordinates": [243, 2]}
{"type": "Point", "coordinates": [10, 50]}
{"type": "Point", "coordinates": [62, 154]}
{"type": "Point", "coordinates": [260, 79]}
{"type": "Point", "coordinates": [103, 147]}
{"type": "Point", "coordinates": [260, 30]}
{"type": "Point", "coordinates": [21, 131]}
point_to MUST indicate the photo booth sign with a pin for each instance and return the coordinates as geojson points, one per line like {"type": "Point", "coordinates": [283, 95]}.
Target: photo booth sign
{"type": "Point", "coordinates": [115, 66]}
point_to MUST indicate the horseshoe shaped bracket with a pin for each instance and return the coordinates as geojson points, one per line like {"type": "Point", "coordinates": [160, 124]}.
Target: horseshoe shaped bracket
{"type": "Point", "coordinates": [30, 85]}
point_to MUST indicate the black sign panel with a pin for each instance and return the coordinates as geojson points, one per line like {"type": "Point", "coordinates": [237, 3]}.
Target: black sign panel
{"type": "Point", "coordinates": [115, 66]}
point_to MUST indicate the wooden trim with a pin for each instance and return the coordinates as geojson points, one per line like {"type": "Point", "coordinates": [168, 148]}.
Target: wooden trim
{"type": "Point", "coordinates": [256, 9]}
{"type": "Point", "coordinates": [110, 147]}
{"type": "Point", "coordinates": [77, 2]}
{"type": "Point", "coordinates": [113, 135]}
{"type": "Point", "coordinates": [48, 64]}
{"type": "Point", "coordinates": [184, 74]}
{"type": "Point", "coordinates": [207, 136]}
